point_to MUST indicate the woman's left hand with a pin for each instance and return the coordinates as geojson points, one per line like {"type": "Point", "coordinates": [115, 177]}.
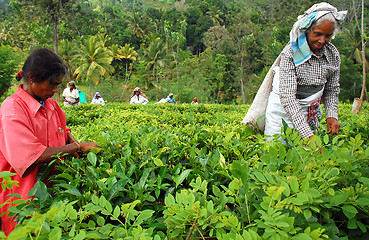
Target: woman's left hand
{"type": "Point", "coordinates": [333, 126]}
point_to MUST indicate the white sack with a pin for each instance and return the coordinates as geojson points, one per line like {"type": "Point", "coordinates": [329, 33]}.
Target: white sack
{"type": "Point", "coordinates": [260, 103]}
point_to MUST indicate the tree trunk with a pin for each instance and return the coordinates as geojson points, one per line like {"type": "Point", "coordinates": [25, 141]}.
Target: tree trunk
{"type": "Point", "coordinates": [363, 43]}
{"type": "Point", "coordinates": [55, 40]}
{"type": "Point", "coordinates": [242, 86]}
{"type": "Point", "coordinates": [126, 75]}
{"type": "Point", "coordinates": [356, 106]}
{"type": "Point", "coordinates": [178, 95]}
{"type": "Point", "coordinates": [125, 82]}
{"type": "Point", "coordinates": [55, 36]}
{"type": "Point", "coordinates": [130, 71]}
{"type": "Point", "coordinates": [90, 91]}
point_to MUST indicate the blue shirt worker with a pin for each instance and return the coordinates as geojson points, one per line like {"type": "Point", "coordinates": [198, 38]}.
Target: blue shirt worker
{"type": "Point", "coordinates": [170, 98]}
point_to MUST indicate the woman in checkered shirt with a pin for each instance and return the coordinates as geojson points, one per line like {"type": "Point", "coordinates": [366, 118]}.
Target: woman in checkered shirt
{"type": "Point", "coordinates": [307, 75]}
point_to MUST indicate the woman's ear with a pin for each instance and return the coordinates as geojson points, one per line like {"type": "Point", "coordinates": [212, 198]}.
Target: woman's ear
{"type": "Point", "coordinates": [31, 78]}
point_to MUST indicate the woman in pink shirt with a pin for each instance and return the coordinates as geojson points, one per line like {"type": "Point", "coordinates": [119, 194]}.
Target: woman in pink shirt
{"type": "Point", "coordinates": [33, 126]}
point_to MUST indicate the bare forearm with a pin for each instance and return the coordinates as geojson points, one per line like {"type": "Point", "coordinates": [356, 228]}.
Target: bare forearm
{"type": "Point", "coordinates": [49, 152]}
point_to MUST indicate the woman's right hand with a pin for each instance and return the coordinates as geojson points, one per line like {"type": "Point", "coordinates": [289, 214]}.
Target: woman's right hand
{"type": "Point", "coordinates": [86, 146]}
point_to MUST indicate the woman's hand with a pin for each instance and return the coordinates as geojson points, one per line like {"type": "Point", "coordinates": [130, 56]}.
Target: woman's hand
{"type": "Point", "coordinates": [86, 146]}
{"type": "Point", "coordinates": [333, 126]}
{"type": "Point", "coordinates": [83, 146]}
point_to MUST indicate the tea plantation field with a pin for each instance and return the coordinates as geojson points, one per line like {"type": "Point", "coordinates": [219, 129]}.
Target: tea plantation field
{"type": "Point", "coordinates": [194, 172]}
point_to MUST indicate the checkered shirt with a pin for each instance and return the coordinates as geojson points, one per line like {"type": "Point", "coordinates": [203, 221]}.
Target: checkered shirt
{"type": "Point", "coordinates": [321, 69]}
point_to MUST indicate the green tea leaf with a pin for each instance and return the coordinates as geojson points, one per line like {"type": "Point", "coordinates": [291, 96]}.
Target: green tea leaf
{"type": "Point", "coordinates": [74, 191]}
{"type": "Point", "coordinates": [182, 177]}
{"type": "Point", "coordinates": [116, 212]}
{"type": "Point", "coordinates": [367, 152]}
{"type": "Point", "coordinates": [100, 221]}
{"type": "Point", "coordinates": [222, 161]}
{"type": "Point", "coordinates": [95, 199]}
{"type": "Point", "coordinates": [81, 235]}
{"type": "Point", "coordinates": [72, 214]}
{"type": "Point", "coordinates": [338, 199]}
{"type": "Point", "coordinates": [287, 190]}
{"type": "Point", "coordinates": [305, 185]}
{"type": "Point", "coordinates": [239, 169]}
{"type": "Point", "coordinates": [307, 214]}
{"type": "Point", "coordinates": [72, 231]}
{"type": "Point", "coordinates": [301, 236]}
{"type": "Point", "coordinates": [95, 150]}
{"type": "Point", "coordinates": [326, 139]}
{"type": "Point", "coordinates": [158, 162]}
{"type": "Point", "coordinates": [169, 200]}
{"type": "Point", "coordinates": [91, 224]}
{"type": "Point", "coordinates": [210, 207]}
{"type": "Point", "coordinates": [93, 235]}
{"type": "Point", "coordinates": [350, 211]}
{"type": "Point", "coordinates": [282, 153]}
{"type": "Point", "coordinates": [294, 184]}
{"type": "Point", "coordinates": [362, 227]}
{"type": "Point", "coordinates": [335, 139]}
{"type": "Point", "coordinates": [6, 174]}
{"type": "Point", "coordinates": [144, 177]}
{"type": "Point", "coordinates": [259, 176]}
{"type": "Point", "coordinates": [217, 191]}
{"type": "Point", "coordinates": [55, 233]}
{"type": "Point", "coordinates": [92, 158]}
{"type": "Point", "coordinates": [144, 215]}
{"type": "Point", "coordinates": [282, 224]}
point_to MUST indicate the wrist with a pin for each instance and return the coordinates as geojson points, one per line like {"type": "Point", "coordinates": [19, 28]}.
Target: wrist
{"type": "Point", "coordinates": [78, 146]}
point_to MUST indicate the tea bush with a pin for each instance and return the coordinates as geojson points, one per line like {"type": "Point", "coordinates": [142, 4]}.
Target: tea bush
{"type": "Point", "coordinates": [194, 172]}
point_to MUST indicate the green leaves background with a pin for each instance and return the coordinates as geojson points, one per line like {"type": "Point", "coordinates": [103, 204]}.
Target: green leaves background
{"type": "Point", "coordinates": [182, 171]}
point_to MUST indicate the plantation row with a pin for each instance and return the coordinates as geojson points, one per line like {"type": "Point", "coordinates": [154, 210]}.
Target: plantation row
{"type": "Point", "coordinates": [194, 172]}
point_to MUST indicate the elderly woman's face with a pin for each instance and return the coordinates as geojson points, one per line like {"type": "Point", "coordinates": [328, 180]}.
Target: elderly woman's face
{"type": "Point", "coordinates": [319, 35]}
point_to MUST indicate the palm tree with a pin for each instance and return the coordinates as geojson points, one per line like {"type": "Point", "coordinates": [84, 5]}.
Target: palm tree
{"type": "Point", "coordinates": [135, 23]}
{"type": "Point", "coordinates": [128, 54]}
{"type": "Point", "coordinates": [102, 39]}
{"type": "Point", "coordinates": [154, 56]}
{"type": "Point", "coordinates": [93, 61]}
{"type": "Point", "coordinates": [214, 14]}
{"type": "Point", "coordinates": [67, 51]}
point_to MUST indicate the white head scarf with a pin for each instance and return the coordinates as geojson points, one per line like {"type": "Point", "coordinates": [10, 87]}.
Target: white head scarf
{"type": "Point", "coordinates": [299, 44]}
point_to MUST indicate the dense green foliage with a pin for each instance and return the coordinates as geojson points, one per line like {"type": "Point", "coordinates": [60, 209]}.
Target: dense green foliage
{"type": "Point", "coordinates": [193, 171]}
{"type": "Point", "coordinates": [215, 50]}
{"type": "Point", "coordinates": [8, 65]}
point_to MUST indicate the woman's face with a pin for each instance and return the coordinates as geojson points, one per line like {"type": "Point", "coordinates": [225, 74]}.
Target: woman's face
{"type": "Point", "coordinates": [319, 35]}
{"type": "Point", "coordinates": [45, 89]}
{"type": "Point", "coordinates": [137, 93]}
{"type": "Point", "coordinates": [71, 86]}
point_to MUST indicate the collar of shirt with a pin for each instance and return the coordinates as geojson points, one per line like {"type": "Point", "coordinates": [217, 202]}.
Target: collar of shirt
{"type": "Point", "coordinates": [32, 103]}
{"type": "Point", "coordinates": [322, 53]}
